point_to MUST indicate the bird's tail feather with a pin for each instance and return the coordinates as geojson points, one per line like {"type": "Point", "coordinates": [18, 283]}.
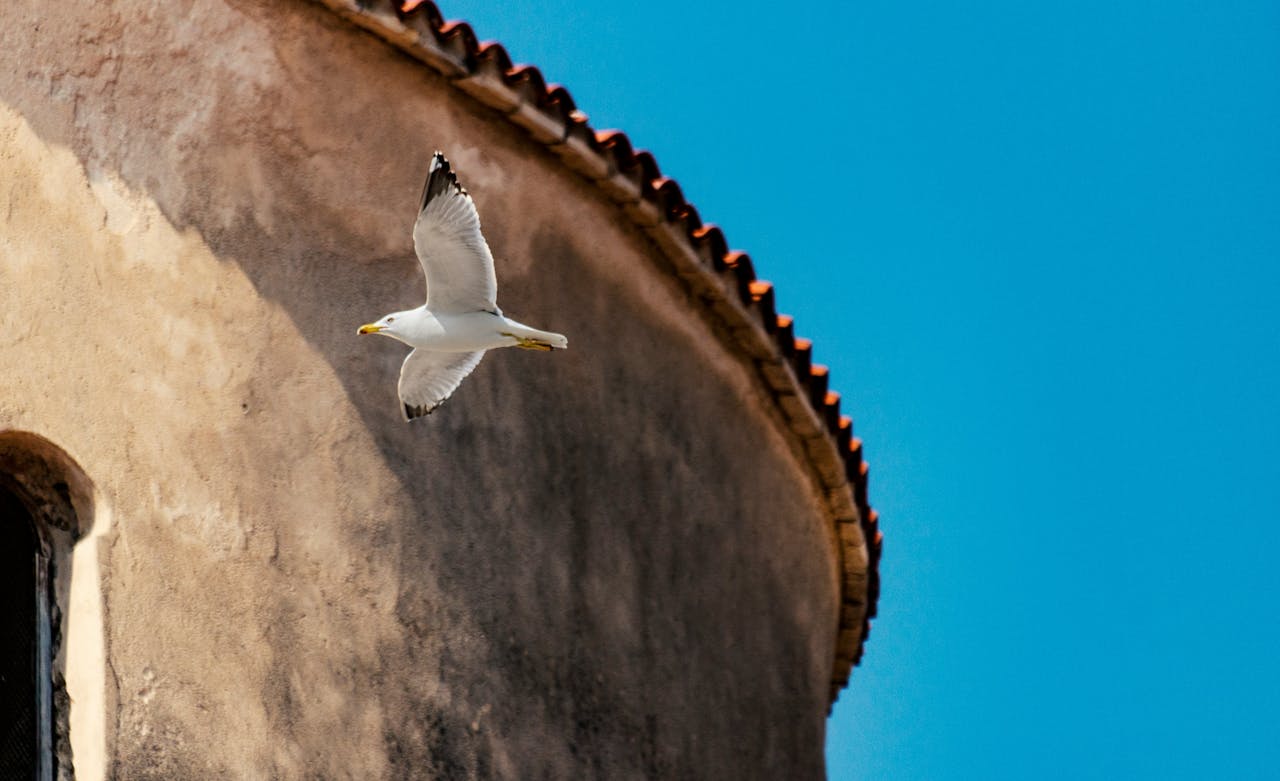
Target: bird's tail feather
{"type": "Point", "coordinates": [551, 339]}
{"type": "Point", "coordinates": [555, 340]}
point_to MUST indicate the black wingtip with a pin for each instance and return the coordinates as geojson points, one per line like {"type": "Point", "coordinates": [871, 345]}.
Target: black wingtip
{"type": "Point", "coordinates": [413, 413]}
{"type": "Point", "coordinates": [440, 178]}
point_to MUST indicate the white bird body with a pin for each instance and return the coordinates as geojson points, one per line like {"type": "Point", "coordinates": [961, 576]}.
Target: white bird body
{"type": "Point", "coordinates": [461, 319]}
{"type": "Point", "coordinates": [448, 332]}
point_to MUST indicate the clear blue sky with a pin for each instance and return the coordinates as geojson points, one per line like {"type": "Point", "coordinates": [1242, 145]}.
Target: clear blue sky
{"type": "Point", "coordinates": [1039, 246]}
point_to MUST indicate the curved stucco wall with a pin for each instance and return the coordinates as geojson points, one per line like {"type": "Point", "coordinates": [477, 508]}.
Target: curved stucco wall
{"type": "Point", "coordinates": [603, 562]}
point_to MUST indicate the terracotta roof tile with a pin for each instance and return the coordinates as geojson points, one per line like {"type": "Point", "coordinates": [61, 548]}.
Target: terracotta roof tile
{"type": "Point", "coordinates": [710, 243]}
{"type": "Point", "coordinates": [723, 278]}
{"type": "Point", "coordinates": [455, 42]}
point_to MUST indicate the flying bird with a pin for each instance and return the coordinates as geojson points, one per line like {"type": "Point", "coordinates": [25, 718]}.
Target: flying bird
{"type": "Point", "coordinates": [461, 319]}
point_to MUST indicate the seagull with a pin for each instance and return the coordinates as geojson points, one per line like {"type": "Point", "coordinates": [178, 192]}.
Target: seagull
{"type": "Point", "coordinates": [461, 319]}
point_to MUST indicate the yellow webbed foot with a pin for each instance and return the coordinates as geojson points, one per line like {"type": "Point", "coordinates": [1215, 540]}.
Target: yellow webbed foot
{"type": "Point", "coordinates": [528, 343]}
{"type": "Point", "coordinates": [533, 344]}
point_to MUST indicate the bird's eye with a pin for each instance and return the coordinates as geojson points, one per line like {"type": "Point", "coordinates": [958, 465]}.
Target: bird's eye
{"type": "Point", "coordinates": [391, 319]}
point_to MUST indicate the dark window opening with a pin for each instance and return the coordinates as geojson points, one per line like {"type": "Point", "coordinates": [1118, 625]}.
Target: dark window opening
{"type": "Point", "coordinates": [23, 644]}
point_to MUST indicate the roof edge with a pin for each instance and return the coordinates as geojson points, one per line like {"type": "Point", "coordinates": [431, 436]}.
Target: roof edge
{"type": "Point", "coordinates": [723, 279]}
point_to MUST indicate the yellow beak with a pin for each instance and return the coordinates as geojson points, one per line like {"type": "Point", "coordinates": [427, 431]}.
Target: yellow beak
{"type": "Point", "coordinates": [369, 329]}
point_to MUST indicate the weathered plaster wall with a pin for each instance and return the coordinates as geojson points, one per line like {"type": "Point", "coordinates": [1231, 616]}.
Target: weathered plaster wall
{"type": "Point", "coordinates": [603, 562]}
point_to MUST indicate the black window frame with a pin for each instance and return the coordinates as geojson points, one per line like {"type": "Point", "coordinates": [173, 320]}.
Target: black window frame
{"type": "Point", "coordinates": [13, 509]}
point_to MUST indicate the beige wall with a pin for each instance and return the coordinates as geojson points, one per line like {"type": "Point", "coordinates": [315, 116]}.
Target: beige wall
{"type": "Point", "coordinates": [602, 562]}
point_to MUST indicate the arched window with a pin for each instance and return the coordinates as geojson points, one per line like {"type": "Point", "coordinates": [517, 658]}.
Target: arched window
{"type": "Point", "coordinates": [46, 511]}
{"type": "Point", "coordinates": [26, 718]}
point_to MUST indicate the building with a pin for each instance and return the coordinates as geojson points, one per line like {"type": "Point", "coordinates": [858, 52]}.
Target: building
{"type": "Point", "coordinates": [650, 555]}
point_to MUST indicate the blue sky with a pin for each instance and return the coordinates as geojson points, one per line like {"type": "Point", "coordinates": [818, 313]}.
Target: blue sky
{"type": "Point", "coordinates": [1039, 246]}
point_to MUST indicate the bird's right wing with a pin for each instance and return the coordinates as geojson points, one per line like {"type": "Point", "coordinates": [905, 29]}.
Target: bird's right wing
{"type": "Point", "coordinates": [454, 255]}
{"type": "Point", "coordinates": [427, 378]}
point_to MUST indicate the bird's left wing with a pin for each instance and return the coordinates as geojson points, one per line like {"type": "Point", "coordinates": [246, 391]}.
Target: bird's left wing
{"type": "Point", "coordinates": [454, 255]}
{"type": "Point", "coordinates": [427, 378]}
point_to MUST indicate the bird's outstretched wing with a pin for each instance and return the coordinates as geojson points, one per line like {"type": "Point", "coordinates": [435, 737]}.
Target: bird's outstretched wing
{"type": "Point", "coordinates": [427, 378]}
{"type": "Point", "coordinates": [450, 247]}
